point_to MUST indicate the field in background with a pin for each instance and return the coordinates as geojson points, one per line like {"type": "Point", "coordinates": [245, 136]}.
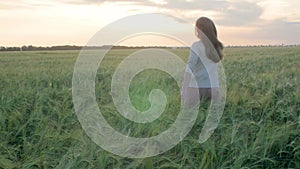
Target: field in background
{"type": "Point", "coordinates": [260, 127]}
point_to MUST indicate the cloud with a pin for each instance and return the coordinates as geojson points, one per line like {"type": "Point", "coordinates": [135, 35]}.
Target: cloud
{"type": "Point", "coordinates": [136, 2]}
{"type": "Point", "coordinates": [178, 4]}
{"type": "Point", "coordinates": [294, 23]}
{"type": "Point", "coordinates": [18, 4]}
{"type": "Point", "coordinates": [201, 5]}
{"type": "Point", "coordinates": [9, 5]}
{"type": "Point", "coordinates": [280, 30]}
{"type": "Point", "coordinates": [263, 32]}
{"type": "Point", "coordinates": [244, 16]}
{"type": "Point", "coordinates": [240, 13]}
{"type": "Point", "coordinates": [173, 4]}
{"type": "Point", "coordinates": [227, 12]}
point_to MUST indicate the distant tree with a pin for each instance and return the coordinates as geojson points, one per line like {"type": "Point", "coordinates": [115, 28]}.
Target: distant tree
{"type": "Point", "coordinates": [12, 48]}
{"type": "Point", "coordinates": [30, 48]}
{"type": "Point", "coordinates": [24, 48]}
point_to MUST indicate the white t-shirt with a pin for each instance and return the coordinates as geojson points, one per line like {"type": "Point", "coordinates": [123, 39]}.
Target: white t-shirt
{"type": "Point", "coordinates": [205, 70]}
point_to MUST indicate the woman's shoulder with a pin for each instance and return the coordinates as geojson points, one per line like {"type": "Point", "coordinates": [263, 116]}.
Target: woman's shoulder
{"type": "Point", "coordinates": [197, 44]}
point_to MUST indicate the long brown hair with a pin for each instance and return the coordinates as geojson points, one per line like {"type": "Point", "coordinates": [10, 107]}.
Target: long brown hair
{"type": "Point", "coordinates": [207, 31]}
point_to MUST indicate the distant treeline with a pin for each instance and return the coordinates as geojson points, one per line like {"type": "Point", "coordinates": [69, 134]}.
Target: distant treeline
{"type": "Point", "coordinates": [35, 48]}
{"type": "Point", "coordinates": [249, 46]}
{"type": "Point", "coordinates": [74, 47]}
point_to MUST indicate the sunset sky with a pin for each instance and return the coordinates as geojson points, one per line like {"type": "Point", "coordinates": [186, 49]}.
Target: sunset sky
{"type": "Point", "coordinates": [74, 22]}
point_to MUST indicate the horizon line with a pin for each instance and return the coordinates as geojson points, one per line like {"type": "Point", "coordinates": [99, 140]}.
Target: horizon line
{"type": "Point", "coordinates": [140, 46]}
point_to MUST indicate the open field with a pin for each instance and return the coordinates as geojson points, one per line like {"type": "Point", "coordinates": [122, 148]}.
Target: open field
{"type": "Point", "coordinates": [260, 127]}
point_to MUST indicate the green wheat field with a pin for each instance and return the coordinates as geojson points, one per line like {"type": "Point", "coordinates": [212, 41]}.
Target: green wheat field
{"type": "Point", "coordinates": [260, 126]}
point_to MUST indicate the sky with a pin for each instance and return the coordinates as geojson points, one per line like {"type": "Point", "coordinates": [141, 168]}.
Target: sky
{"type": "Point", "coordinates": [74, 22]}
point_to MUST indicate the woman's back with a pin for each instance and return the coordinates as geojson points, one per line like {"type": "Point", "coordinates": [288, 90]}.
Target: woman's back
{"type": "Point", "coordinates": [205, 70]}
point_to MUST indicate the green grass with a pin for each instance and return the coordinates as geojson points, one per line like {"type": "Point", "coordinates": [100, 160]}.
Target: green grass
{"type": "Point", "coordinates": [260, 127]}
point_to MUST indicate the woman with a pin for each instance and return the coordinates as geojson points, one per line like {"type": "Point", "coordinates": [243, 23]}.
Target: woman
{"type": "Point", "coordinates": [201, 76]}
